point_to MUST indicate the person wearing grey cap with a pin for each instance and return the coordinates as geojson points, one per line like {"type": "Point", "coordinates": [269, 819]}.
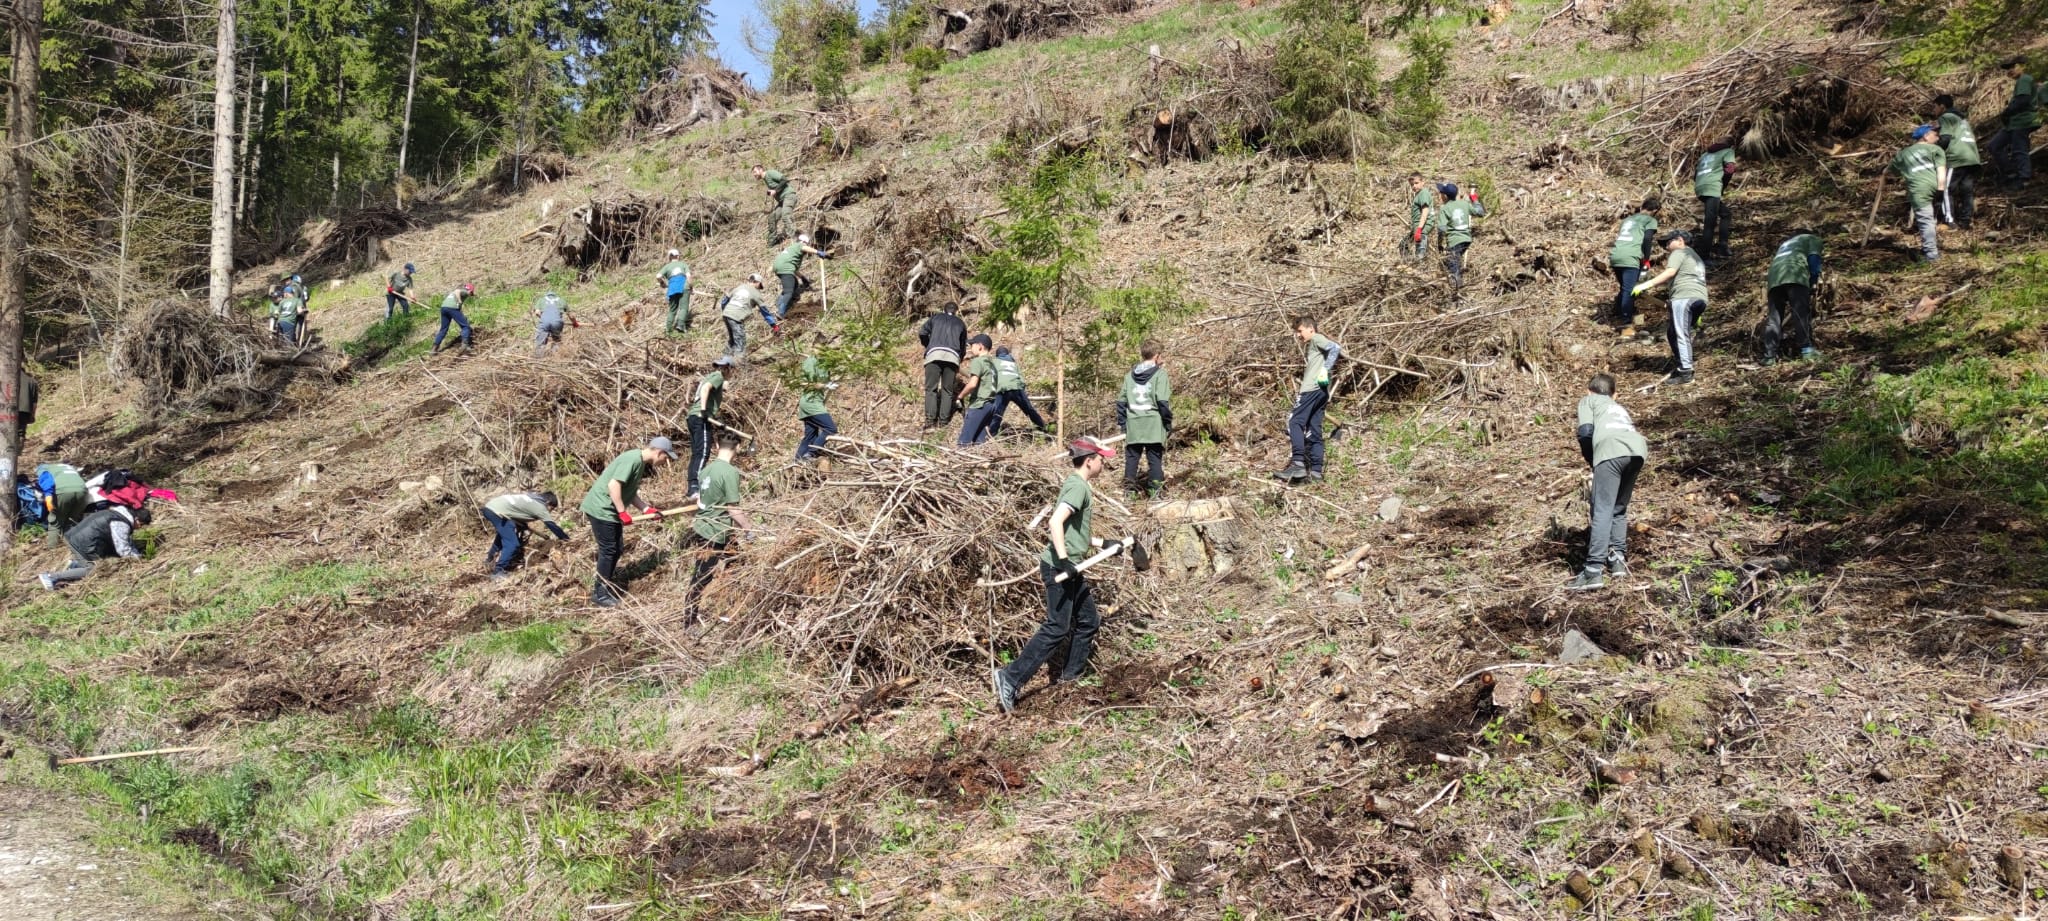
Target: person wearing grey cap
{"type": "Point", "coordinates": [610, 506]}
{"type": "Point", "coordinates": [1070, 613]}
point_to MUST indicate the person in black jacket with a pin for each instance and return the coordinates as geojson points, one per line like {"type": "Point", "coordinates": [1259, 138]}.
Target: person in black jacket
{"type": "Point", "coordinates": [104, 534]}
{"type": "Point", "coordinates": [944, 337]}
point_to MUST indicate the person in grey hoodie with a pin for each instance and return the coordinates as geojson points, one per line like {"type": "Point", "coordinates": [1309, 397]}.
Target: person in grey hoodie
{"type": "Point", "coordinates": [1144, 409]}
{"type": "Point", "coordinates": [508, 515]}
{"type": "Point", "coordinates": [1616, 452]}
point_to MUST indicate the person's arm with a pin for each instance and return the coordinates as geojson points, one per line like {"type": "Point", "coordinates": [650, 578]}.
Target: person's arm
{"type": "Point", "coordinates": [1331, 353]}
{"type": "Point", "coordinates": [1813, 266]}
{"type": "Point", "coordinates": [740, 519]}
{"type": "Point", "coordinates": [618, 493]}
{"type": "Point", "coordinates": [924, 333]}
{"type": "Point", "coordinates": [1585, 433]}
{"type": "Point", "coordinates": [1057, 528]}
{"type": "Point", "coordinates": [1670, 271]}
{"type": "Point", "coordinates": [121, 531]}
{"type": "Point", "coordinates": [552, 526]}
{"type": "Point", "coordinates": [967, 385]}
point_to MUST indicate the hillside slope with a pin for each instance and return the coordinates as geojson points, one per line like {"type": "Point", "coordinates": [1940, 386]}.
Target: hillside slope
{"type": "Point", "coordinates": [1820, 693]}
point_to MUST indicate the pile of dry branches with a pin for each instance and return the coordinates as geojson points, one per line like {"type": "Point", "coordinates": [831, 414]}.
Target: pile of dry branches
{"type": "Point", "coordinates": [516, 170]}
{"type": "Point", "coordinates": [1774, 99]}
{"type": "Point", "coordinates": [605, 232]}
{"type": "Point", "coordinates": [874, 567]}
{"type": "Point", "coordinates": [700, 91]}
{"type": "Point", "coordinates": [966, 30]}
{"type": "Point", "coordinates": [1193, 107]}
{"type": "Point", "coordinates": [355, 239]}
{"type": "Point", "coordinates": [181, 354]}
{"type": "Point", "coordinates": [926, 245]}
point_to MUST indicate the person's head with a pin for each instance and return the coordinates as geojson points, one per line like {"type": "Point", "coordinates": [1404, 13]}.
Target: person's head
{"type": "Point", "coordinates": [980, 344]}
{"type": "Point", "coordinates": [1652, 205]}
{"type": "Point", "coordinates": [756, 279]}
{"type": "Point", "coordinates": [2014, 66]}
{"type": "Point", "coordinates": [675, 254]}
{"type": "Point", "coordinates": [143, 516]}
{"type": "Point", "coordinates": [408, 268]}
{"type": "Point", "coordinates": [1601, 384]}
{"type": "Point", "coordinates": [1925, 134]}
{"type": "Point", "coordinates": [728, 445]}
{"type": "Point", "coordinates": [951, 307]}
{"type": "Point", "coordinates": [1150, 350]}
{"type": "Point", "coordinates": [1087, 456]}
{"type": "Point", "coordinates": [297, 280]}
{"type": "Point", "coordinates": [1447, 190]}
{"type": "Point", "coordinates": [760, 171]}
{"type": "Point", "coordinates": [658, 451]}
{"type": "Point", "coordinates": [804, 238]}
{"type": "Point", "coordinates": [468, 291]}
{"type": "Point", "coordinates": [1415, 181]}
{"type": "Point", "coordinates": [1305, 327]}
{"type": "Point", "coordinates": [1677, 240]}
{"type": "Point", "coordinates": [546, 499]}
{"type": "Point", "coordinates": [1941, 103]}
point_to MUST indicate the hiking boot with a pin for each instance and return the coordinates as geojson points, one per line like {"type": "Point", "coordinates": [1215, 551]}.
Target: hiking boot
{"type": "Point", "coordinates": [49, 584]}
{"type": "Point", "coordinates": [604, 601]}
{"type": "Point", "coordinates": [1006, 693]}
{"type": "Point", "coordinates": [1617, 566]}
{"type": "Point", "coordinates": [1292, 473]}
{"type": "Point", "coordinates": [1809, 354]}
{"type": "Point", "coordinates": [1769, 360]}
{"type": "Point", "coordinates": [1586, 581]}
{"type": "Point", "coordinates": [1679, 377]}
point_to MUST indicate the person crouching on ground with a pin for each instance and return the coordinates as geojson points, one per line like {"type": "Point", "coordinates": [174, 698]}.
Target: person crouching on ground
{"type": "Point", "coordinates": [610, 506]}
{"type": "Point", "coordinates": [508, 515]}
{"type": "Point", "coordinates": [550, 313]}
{"type": "Point", "coordinates": [105, 534]}
{"type": "Point", "coordinates": [1616, 452]}
{"type": "Point", "coordinates": [1070, 613]}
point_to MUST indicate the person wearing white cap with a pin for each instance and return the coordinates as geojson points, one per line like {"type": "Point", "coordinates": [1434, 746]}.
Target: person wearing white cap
{"type": "Point", "coordinates": [1070, 613]}
{"type": "Point", "coordinates": [610, 505]}
{"type": "Point", "coordinates": [737, 307]}
{"type": "Point", "coordinates": [787, 264]}
{"type": "Point", "coordinates": [675, 277]}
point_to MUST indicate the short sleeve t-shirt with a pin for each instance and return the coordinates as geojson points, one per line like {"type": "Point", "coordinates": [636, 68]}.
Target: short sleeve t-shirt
{"type": "Point", "coordinates": [718, 490]}
{"type": "Point", "coordinates": [627, 470]}
{"type": "Point", "coordinates": [1008, 378]}
{"type": "Point", "coordinates": [401, 282]}
{"type": "Point", "coordinates": [791, 260]}
{"type": "Point", "coordinates": [1690, 284]}
{"type": "Point", "coordinates": [1962, 140]}
{"type": "Point", "coordinates": [741, 302]}
{"type": "Point", "coordinates": [811, 402]}
{"type": "Point", "coordinates": [1628, 241]}
{"type": "Point", "coordinates": [983, 368]}
{"type": "Point", "coordinates": [710, 391]}
{"type": "Point", "coordinates": [1454, 221]}
{"type": "Point", "coordinates": [1789, 265]}
{"type": "Point", "coordinates": [1080, 526]}
{"type": "Point", "coordinates": [678, 276]}
{"type": "Point", "coordinates": [1422, 202]}
{"type": "Point", "coordinates": [1711, 171]}
{"type": "Point", "coordinates": [453, 301]}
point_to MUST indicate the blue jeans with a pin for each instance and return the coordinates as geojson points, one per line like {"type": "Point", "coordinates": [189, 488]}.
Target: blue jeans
{"type": "Point", "coordinates": [505, 546]}
{"type": "Point", "coordinates": [544, 334]}
{"type": "Point", "coordinates": [1305, 428]}
{"type": "Point", "coordinates": [974, 429]}
{"type": "Point", "coordinates": [1020, 399]}
{"type": "Point", "coordinates": [394, 302]}
{"type": "Point", "coordinates": [788, 298]}
{"type": "Point", "coordinates": [452, 315]}
{"type": "Point", "coordinates": [288, 332]}
{"type": "Point", "coordinates": [817, 428]}
{"type": "Point", "coordinates": [1624, 297]}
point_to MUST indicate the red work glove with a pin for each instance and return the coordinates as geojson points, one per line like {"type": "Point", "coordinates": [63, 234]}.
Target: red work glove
{"type": "Point", "coordinates": [1418, 234]}
{"type": "Point", "coordinates": [1475, 197]}
{"type": "Point", "coordinates": [625, 517]}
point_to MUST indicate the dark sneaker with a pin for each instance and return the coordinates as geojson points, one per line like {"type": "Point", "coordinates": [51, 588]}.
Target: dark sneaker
{"type": "Point", "coordinates": [1769, 360]}
{"type": "Point", "coordinates": [1809, 354]}
{"type": "Point", "coordinates": [1680, 377]}
{"type": "Point", "coordinates": [1586, 581]}
{"type": "Point", "coordinates": [1006, 693]}
{"type": "Point", "coordinates": [605, 601]}
{"type": "Point", "coordinates": [1617, 566]}
{"type": "Point", "coordinates": [1292, 473]}
{"type": "Point", "coordinates": [1315, 476]}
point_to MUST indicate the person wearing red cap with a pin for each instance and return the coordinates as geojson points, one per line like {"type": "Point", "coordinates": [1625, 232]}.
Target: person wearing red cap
{"type": "Point", "coordinates": [451, 312]}
{"type": "Point", "coordinates": [1070, 614]}
{"type": "Point", "coordinates": [1924, 168]}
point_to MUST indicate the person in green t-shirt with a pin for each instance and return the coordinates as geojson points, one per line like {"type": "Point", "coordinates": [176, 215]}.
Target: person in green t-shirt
{"type": "Point", "coordinates": [675, 280]}
{"type": "Point", "coordinates": [1687, 273]}
{"type": "Point", "coordinates": [712, 531]}
{"type": "Point", "coordinates": [735, 308]}
{"type": "Point", "coordinates": [810, 409]}
{"type": "Point", "coordinates": [1709, 181]}
{"type": "Point", "coordinates": [2011, 147]}
{"type": "Point", "coordinates": [398, 292]}
{"type": "Point", "coordinates": [1454, 230]}
{"type": "Point", "coordinates": [284, 316]}
{"type": "Point", "coordinates": [1959, 144]}
{"type": "Point", "coordinates": [781, 202]}
{"type": "Point", "coordinates": [978, 391]}
{"type": "Point", "coordinates": [610, 505]}
{"type": "Point", "coordinates": [703, 414]}
{"type": "Point", "coordinates": [787, 265]}
{"type": "Point", "coordinates": [1421, 211]}
{"type": "Point", "coordinates": [451, 312]}
{"type": "Point", "coordinates": [1616, 452]}
{"type": "Point", "coordinates": [1924, 168]}
{"type": "Point", "coordinates": [1630, 255]}
{"type": "Point", "coordinates": [1311, 400]}
{"type": "Point", "coordinates": [1070, 613]}
{"type": "Point", "coordinates": [1795, 270]}
{"type": "Point", "coordinates": [1144, 409]}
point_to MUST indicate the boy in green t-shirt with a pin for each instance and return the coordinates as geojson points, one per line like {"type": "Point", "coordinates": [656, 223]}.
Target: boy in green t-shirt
{"type": "Point", "coordinates": [1788, 302]}
{"type": "Point", "coordinates": [1630, 255]}
{"type": "Point", "coordinates": [978, 391]}
{"type": "Point", "coordinates": [1421, 209]}
{"type": "Point", "coordinates": [610, 505]}
{"type": "Point", "coordinates": [1311, 399]}
{"type": "Point", "coordinates": [703, 414]}
{"type": "Point", "coordinates": [810, 409]}
{"type": "Point", "coordinates": [712, 530]}
{"type": "Point", "coordinates": [1709, 182]}
{"type": "Point", "coordinates": [1069, 605]}
{"type": "Point", "coordinates": [451, 312]}
{"type": "Point", "coordinates": [787, 265]}
{"type": "Point", "coordinates": [1959, 143]}
{"type": "Point", "coordinates": [1144, 409]}
{"type": "Point", "coordinates": [781, 202]}
{"type": "Point", "coordinates": [1454, 228]}
{"type": "Point", "coordinates": [1924, 169]}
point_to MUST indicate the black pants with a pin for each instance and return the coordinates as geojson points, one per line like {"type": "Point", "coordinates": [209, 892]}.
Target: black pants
{"type": "Point", "coordinates": [710, 556]}
{"type": "Point", "coordinates": [700, 448]}
{"type": "Point", "coordinates": [1714, 222]}
{"type": "Point", "coordinates": [1454, 263]}
{"type": "Point", "coordinates": [941, 382]}
{"type": "Point", "coordinates": [817, 428]}
{"type": "Point", "coordinates": [611, 538]}
{"type": "Point", "coordinates": [1788, 305]}
{"type": "Point", "coordinates": [1153, 457]}
{"type": "Point", "coordinates": [1305, 428]}
{"type": "Point", "coordinates": [1625, 278]}
{"type": "Point", "coordinates": [1962, 194]}
{"type": "Point", "coordinates": [1070, 615]}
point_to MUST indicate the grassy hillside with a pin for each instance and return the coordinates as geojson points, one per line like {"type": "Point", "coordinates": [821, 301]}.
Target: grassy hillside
{"type": "Point", "coordinates": [1820, 693]}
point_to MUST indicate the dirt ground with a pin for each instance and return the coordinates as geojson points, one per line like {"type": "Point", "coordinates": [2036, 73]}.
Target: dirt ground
{"type": "Point", "coordinates": [52, 870]}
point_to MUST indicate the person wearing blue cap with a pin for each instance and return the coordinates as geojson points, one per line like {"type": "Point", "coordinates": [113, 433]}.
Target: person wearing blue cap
{"type": "Point", "coordinates": [1924, 168]}
{"type": "Point", "coordinates": [398, 292]}
{"type": "Point", "coordinates": [1454, 229]}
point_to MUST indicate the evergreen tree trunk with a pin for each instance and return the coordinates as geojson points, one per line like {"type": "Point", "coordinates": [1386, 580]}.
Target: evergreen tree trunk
{"type": "Point", "coordinates": [242, 154]}
{"type": "Point", "coordinates": [221, 283]}
{"type": "Point", "coordinates": [412, 73]}
{"type": "Point", "coordinates": [254, 163]}
{"type": "Point", "coordinates": [15, 185]}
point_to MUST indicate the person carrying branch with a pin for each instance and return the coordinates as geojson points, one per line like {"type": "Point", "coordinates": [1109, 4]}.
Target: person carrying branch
{"type": "Point", "coordinates": [1959, 147]}
{"type": "Point", "coordinates": [735, 308]}
{"type": "Point", "coordinates": [509, 515]}
{"type": "Point", "coordinates": [398, 292]}
{"type": "Point", "coordinates": [1687, 273]}
{"type": "Point", "coordinates": [1144, 409]}
{"type": "Point", "coordinates": [1709, 181]}
{"type": "Point", "coordinates": [1454, 230]}
{"type": "Point", "coordinates": [1070, 613]}
{"type": "Point", "coordinates": [105, 534]}
{"type": "Point", "coordinates": [1630, 255]}
{"type": "Point", "coordinates": [704, 414]}
{"type": "Point", "coordinates": [781, 203]}
{"type": "Point", "coordinates": [1924, 168]}
{"type": "Point", "coordinates": [451, 312]}
{"type": "Point", "coordinates": [611, 504]}
{"type": "Point", "coordinates": [2011, 148]}
{"type": "Point", "coordinates": [711, 533]}
{"type": "Point", "coordinates": [1795, 270]}
{"type": "Point", "coordinates": [1010, 391]}
{"type": "Point", "coordinates": [944, 337]}
{"type": "Point", "coordinates": [1311, 400]}
{"type": "Point", "coordinates": [550, 312]}
{"type": "Point", "coordinates": [1616, 452]}
{"type": "Point", "coordinates": [675, 280]}
{"type": "Point", "coordinates": [810, 409]}
{"type": "Point", "coordinates": [1421, 209]}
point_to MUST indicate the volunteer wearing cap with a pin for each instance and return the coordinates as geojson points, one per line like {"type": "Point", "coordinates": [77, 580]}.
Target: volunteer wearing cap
{"type": "Point", "coordinates": [675, 278]}
{"type": "Point", "coordinates": [610, 506]}
{"type": "Point", "coordinates": [787, 264]}
{"type": "Point", "coordinates": [1069, 606]}
{"type": "Point", "coordinates": [398, 292]}
{"type": "Point", "coordinates": [1687, 273]}
{"type": "Point", "coordinates": [737, 307]}
{"type": "Point", "coordinates": [1924, 168]}
{"type": "Point", "coordinates": [451, 312]}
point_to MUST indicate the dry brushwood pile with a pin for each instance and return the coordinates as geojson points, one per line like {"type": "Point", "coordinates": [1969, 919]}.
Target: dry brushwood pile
{"type": "Point", "coordinates": [1774, 99]}
{"type": "Point", "coordinates": [356, 239]}
{"type": "Point", "coordinates": [182, 355]}
{"type": "Point", "coordinates": [969, 29]}
{"type": "Point", "coordinates": [606, 232]}
{"type": "Point", "coordinates": [516, 170]}
{"type": "Point", "coordinates": [701, 91]}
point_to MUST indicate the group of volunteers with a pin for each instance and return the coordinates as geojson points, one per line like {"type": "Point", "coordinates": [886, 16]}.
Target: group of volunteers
{"type": "Point", "coordinates": [1438, 210]}
{"type": "Point", "coordinates": [97, 517]}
